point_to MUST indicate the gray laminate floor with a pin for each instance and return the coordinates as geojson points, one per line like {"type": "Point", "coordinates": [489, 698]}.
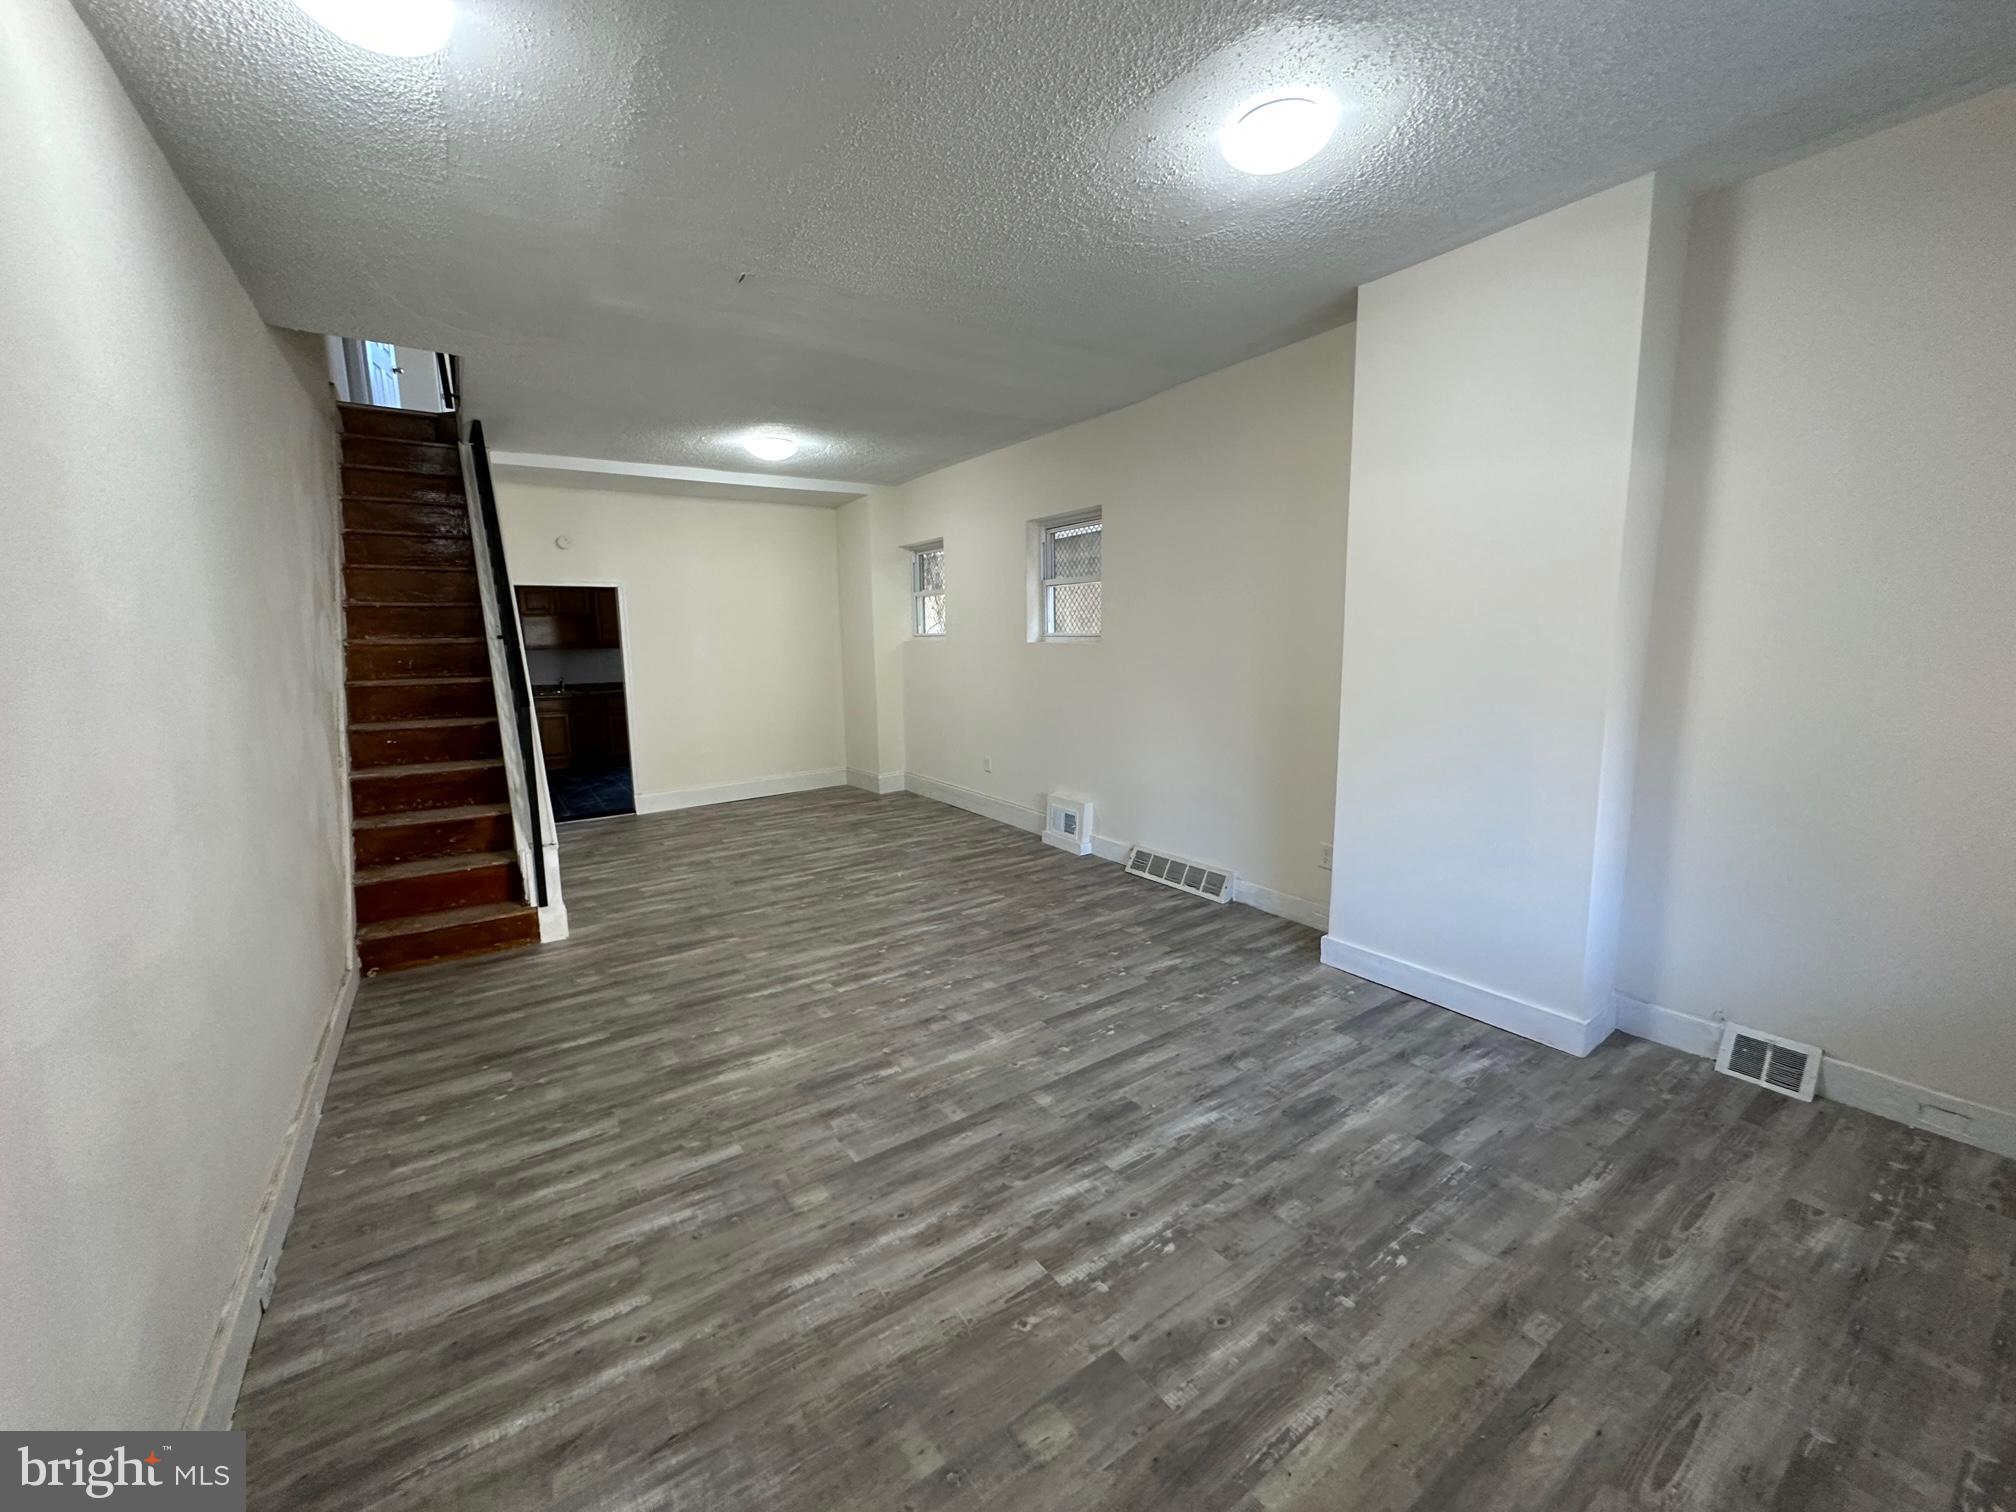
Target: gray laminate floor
{"type": "Point", "coordinates": [860, 1153]}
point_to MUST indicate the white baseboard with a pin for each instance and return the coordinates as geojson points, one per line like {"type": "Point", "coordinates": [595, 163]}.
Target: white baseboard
{"type": "Point", "coordinates": [1105, 847]}
{"type": "Point", "coordinates": [1891, 1097]}
{"type": "Point", "coordinates": [1000, 810]}
{"type": "Point", "coordinates": [1550, 1026]}
{"type": "Point", "coordinates": [735, 792]}
{"type": "Point", "coordinates": [1283, 905]}
{"type": "Point", "coordinates": [216, 1393]}
{"type": "Point", "coordinates": [875, 782]}
{"type": "Point", "coordinates": [1682, 1031]}
{"type": "Point", "coordinates": [553, 914]}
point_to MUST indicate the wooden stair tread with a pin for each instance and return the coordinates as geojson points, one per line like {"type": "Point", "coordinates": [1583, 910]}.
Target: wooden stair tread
{"type": "Point", "coordinates": [424, 768]}
{"type": "Point", "coordinates": [443, 481]}
{"type": "Point", "coordinates": [412, 640]}
{"type": "Point", "coordinates": [424, 724]}
{"type": "Point", "coordinates": [391, 409]}
{"type": "Point", "coordinates": [447, 918]}
{"type": "Point", "coordinates": [436, 442]}
{"type": "Point", "coordinates": [433, 866]}
{"type": "Point", "coordinates": [414, 530]}
{"type": "Point", "coordinates": [431, 816]}
{"type": "Point", "coordinates": [445, 680]}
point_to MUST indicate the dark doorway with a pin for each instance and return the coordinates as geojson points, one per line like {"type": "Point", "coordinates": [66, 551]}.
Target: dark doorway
{"type": "Point", "coordinates": [574, 646]}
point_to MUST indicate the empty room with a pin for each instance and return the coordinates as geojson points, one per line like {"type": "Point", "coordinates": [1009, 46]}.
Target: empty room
{"type": "Point", "coordinates": [905, 756]}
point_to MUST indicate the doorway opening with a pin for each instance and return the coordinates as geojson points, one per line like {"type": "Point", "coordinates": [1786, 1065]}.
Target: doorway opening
{"type": "Point", "coordinates": [390, 376]}
{"type": "Point", "coordinates": [574, 647]}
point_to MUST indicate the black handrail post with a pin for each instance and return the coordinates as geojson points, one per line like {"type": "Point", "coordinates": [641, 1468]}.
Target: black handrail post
{"type": "Point", "coordinates": [514, 653]}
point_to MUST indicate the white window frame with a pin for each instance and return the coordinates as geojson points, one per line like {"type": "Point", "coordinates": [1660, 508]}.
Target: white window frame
{"type": "Point", "coordinates": [1041, 582]}
{"type": "Point", "coordinates": [918, 593]}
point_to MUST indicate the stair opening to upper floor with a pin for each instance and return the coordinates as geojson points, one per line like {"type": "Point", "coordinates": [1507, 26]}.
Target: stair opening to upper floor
{"type": "Point", "coordinates": [386, 375]}
{"type": "Point", "coordinates": [437, 869]}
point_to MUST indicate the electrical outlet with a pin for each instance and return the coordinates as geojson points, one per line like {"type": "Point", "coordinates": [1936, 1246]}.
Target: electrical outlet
{"type": "Point", "coordinates": [986, 763]}
{"type": "Point", "coordinates": [1325, 862]}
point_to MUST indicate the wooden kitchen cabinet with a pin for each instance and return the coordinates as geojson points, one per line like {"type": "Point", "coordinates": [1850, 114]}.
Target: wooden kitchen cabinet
{"type": "Point", "coordinates": [608, 628]}
{"type": "Point", "coordinates": [556, 730]}
{"type": "Point", "coordinates": [589, 728]}
{"type": "Point", "coordinates": [570, 617]}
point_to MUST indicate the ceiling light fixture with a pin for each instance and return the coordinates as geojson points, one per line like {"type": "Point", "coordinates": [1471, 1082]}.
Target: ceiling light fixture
{"type": "Point", "coordinates": [398, 28]}
{"type": "Point", "coordinates": [770, 445]}
{"type": "Point", "coordinates": [1279, 131]}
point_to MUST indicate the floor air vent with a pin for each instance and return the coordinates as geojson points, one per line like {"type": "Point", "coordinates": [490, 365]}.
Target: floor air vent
{"type": "Point", "coordinates": [1210, 882]}
{"type": "Point", "coordinates": [1767, 1061]}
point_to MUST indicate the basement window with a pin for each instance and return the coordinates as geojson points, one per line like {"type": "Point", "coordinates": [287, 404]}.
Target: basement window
{"type": "Point", "coordinates": [927, 589]}
{"type": "Point", "coordinates": [1070, 568]}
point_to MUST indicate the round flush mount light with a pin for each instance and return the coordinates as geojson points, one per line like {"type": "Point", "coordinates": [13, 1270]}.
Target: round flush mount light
{"type": "Point", "coordinates": [397, 28]}
{"type": "Point", "coordinates": [770, 444]}
{"type": "Point", "coordinates": [1279, 131]}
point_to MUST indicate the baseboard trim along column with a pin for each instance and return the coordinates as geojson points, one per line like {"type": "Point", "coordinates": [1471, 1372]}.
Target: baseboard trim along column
{"type": "Point", "coordinates": [1891, 1097]}
{"type": "Point", "coordinates": [1282, 905]}
{"type": "Point", "coordinates": [1105, 847]}
{"type": "Point", "coordinates": [875, 782]}
{"type": "Point", "coordinates": [216, 1394]}
{"type": "Point", "coordinates": [1534, 1021]}
{"type": "Point", "coordinates": [735, 792]}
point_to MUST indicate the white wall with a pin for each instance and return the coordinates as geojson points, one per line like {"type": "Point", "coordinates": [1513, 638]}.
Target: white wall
{"type": "Point", "coordinates": [174, 898]}
{"type": "Point", "coordinates": [1490, 616]}
{"type": "Point", "coordinates": [730, 624]}
{"type": "Point", "coordinates": [870, 654]}
{"type": "Point", "coordinates": [1205, 719]}
{"type": "Point", "coordinates": [1825, 843]}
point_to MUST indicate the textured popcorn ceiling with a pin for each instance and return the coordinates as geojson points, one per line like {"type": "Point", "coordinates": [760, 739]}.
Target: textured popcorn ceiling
{"type": "Point", "coordinates": [920, 229]}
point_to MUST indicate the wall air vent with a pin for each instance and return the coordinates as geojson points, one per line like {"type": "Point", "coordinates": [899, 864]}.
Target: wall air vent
{"type": "Point", "coordinates": [1067, 823]}
{"type": "Point", "coordinates": [1213, 882]}
{"type": "Point", "coordinates": [1765, 1060]}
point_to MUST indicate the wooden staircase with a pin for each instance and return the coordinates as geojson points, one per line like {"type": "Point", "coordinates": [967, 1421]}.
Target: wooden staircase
{"type": "Point", "coordinates": [437, 871]}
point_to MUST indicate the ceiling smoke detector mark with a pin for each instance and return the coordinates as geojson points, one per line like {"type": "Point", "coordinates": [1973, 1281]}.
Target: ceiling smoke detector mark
{"type": "Point", "coordinates": [1765, 1060]}
{"type": "Point", "coordinates": [1213, 882]}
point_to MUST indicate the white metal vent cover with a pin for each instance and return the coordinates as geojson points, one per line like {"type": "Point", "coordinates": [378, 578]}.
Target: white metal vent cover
{"type": "Point", "coordinates": [1768, 1061]}
{"type": "Point", "coordinates": [1067, 823]}
{"type": "Point", "coordinates": [1213, 882]}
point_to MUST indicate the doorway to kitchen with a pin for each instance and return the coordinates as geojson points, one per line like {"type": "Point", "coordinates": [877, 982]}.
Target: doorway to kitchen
{"type": "Point", "coordinates": [574, 648]}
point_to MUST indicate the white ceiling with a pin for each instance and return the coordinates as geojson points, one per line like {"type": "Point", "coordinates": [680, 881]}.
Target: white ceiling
{"type": "Point", "coordinates": [921, 229]}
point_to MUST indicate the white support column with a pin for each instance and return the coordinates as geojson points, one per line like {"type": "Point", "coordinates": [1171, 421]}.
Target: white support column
{"type": "Point", "coordinates": [1508, 459]}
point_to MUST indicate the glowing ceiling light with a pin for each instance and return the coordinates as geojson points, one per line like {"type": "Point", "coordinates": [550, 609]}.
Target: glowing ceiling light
{"type": "Point", "coordinates": [770, 445]}
{"type": "Point", "coordinates": [399, 28]}
{"type": "Point", "coordinates": [1279, 131]}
